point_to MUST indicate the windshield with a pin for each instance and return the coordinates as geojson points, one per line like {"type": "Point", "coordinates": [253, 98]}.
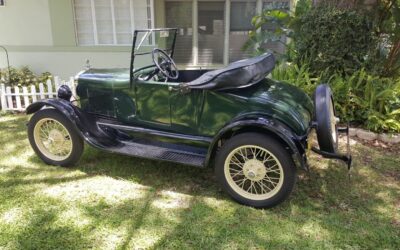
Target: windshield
{"type": "Point", "coordinates": [144, 41]}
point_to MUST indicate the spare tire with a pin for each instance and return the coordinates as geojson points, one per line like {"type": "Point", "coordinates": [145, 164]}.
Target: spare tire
{"type": "Point", "coordinates": [327, 132]}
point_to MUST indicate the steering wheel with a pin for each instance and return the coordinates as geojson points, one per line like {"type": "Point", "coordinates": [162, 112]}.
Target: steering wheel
{"type": "Point", "coordinates": [165, 64]}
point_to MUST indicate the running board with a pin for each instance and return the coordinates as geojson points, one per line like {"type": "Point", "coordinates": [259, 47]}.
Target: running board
{"type": "Point", "coordinates": [187, 155]}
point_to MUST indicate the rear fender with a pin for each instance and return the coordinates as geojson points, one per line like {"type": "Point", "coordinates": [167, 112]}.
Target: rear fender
{"type": "Point", "coordinates": [269, 125]}
{"type": "Point", "coordinates": [84, 123]}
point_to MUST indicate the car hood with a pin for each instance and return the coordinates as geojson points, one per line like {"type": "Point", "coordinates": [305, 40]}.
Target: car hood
{"type": "Point", "coordinates": [282, 101]}
{"type": "Point", "coordinates": [103, 76]}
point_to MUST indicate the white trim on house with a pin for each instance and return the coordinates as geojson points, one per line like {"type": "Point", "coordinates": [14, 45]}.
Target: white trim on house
{"type": "Point", "coordinates": [95, 34]}
{"type": "Point", "coordinates": [195, 23]}
{"type": "Point", "coordinates": [227, 31]}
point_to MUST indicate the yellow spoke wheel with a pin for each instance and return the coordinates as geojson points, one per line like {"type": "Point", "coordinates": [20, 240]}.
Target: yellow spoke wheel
{"type": "Point", "coordinates": [253, 172]}
{"type": "Point", "coordinates": [255, 169]}
{"type": "Point", "coordinates": [54, 139]}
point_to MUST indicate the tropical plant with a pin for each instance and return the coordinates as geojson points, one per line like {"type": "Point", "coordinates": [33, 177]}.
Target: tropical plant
{"type": "Point", "coordinates": [360, 98]}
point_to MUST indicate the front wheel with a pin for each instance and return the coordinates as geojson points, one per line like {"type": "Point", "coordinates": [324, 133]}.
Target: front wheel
{"type": "Point", "coordinates": [255, 170]}
{"type": "Point", "coordinates": [54, 139]}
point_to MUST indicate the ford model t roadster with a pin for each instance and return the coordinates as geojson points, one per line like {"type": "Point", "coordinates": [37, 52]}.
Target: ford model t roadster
{"type": "Point", "coordinates": [251, 129]}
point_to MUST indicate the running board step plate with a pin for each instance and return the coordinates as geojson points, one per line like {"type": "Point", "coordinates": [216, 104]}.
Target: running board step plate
{"type": "Point", "coordinates": [162, 151]}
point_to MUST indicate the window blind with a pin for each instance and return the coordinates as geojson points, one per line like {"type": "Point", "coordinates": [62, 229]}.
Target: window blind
{"type": "Point", "coordinates": [179, 15]}
{"type": "Point", "coordinates": [110, 22]}
{"type": "Point", "coordinates": [211, 20]}
{"type": "Point", "coordinates": [241, 14]}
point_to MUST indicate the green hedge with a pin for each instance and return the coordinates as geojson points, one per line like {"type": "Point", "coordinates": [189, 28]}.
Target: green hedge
{"type": "Point", "coordinates": [334, 40]}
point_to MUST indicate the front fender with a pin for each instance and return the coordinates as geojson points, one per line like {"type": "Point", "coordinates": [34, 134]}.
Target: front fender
{"type": "Point", "coordinates": [61, 105]}
{"type": "Point", "coordinates": [84, 123]}
{"type": "Point", "coordinates": [65, 107]}
{"type": "Point", "coordinates": [266, 124]}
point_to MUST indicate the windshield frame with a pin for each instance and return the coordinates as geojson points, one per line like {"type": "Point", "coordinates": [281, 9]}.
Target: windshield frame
{"type": "Point", "coordinates": [135, 50]}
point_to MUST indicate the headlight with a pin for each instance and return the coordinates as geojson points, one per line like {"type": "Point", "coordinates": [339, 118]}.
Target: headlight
{"type": "Point", "coordinates": [64, 92]}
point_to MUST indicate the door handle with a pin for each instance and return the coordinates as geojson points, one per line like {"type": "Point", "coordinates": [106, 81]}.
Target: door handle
{"type": "Point", "coordinates": [181, 89]}
{"type": "Point", "coordinates": [170, 88]}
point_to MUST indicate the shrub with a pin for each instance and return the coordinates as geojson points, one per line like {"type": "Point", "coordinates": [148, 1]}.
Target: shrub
{"type": "Point", "coordinates": [334, 40]}
{"type": "Point", "coordinates": [360, 98]}
{"type": "Point", "coordinates": [22, 77]}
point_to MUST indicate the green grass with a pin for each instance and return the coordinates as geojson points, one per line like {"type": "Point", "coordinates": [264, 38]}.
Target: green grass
{"type": "Point", "coordinates": [110, 201]}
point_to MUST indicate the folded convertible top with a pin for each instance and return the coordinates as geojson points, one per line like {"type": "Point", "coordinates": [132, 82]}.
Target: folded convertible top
{"type": "Point", "coordinates": [239, 74]}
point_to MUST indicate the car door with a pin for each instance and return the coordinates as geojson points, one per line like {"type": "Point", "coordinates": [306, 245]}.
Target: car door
{"type": "Point", "coordinates": [152, 103]}
{"type": "Point", "coordinates": [186, 108]}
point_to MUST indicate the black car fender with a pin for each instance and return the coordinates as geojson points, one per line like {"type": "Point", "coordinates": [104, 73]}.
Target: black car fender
{"type": "Point", "coordinates": [265, 124]}
{"type": "Point", "coordinates": [63, 106]}
{"type": "Point", "coordinates": [85, 125]}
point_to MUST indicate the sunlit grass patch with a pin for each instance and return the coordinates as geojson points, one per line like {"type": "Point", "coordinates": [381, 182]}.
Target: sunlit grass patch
{"type": "Point", "coordinates": [96, 188]}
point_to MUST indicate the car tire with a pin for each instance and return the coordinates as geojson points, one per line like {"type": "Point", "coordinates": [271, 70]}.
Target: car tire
{"type": "Point", "coordinates": [255, 170]}
{"type": "Point", "coordinates": [54, 139]}
{"type": "Point", "coordinates": [327, 132]}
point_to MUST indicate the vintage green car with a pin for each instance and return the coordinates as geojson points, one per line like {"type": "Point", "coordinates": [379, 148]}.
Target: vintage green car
{"type": "Point", "coordinates": [251, 129]}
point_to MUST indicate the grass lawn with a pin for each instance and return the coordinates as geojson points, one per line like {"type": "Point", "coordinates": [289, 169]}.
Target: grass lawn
{"type": "Point", "coordinates": [110, 201]}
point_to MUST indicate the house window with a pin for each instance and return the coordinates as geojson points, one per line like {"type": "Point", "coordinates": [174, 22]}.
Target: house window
{"type": "Point", "coordinates": [240, 25]}
{"type": "Point", "coordinates": [211, 30]}
{"type": "Point", "coordinates": [276, 4]}
{"type": "Point", "coordinates": [179, 14]}
{"type": "Point", "coordinates": [111, 22]}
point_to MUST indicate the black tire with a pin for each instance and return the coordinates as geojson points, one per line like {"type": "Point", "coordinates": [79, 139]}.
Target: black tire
{"type": "Point", "coordinates": [267, 143]}
{"type": "Point", "coordinates": [327, 133]}
{"type": "Point", "coordinates": [77, 142]}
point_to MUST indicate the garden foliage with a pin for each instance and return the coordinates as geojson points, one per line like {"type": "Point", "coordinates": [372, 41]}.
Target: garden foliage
{"type": "Point", "coordinates": [335, 40]}
{"type": "Point", "coordinates": [355, 50]}
{"type": "Point", "coordinates": [22, 77]}
{"type": "Point", "coordinates": [360, 98]}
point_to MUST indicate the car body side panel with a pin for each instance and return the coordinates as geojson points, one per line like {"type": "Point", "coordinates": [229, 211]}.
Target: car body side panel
{"type": "Point", "coordinates": [124, 102]}
{"type": "Point", "coordinates": [186, 109]}
{"type": "Point", "coordinates": [153, 105]}
{"type": "Point", "coordinates": [161, 105]}
{"type": "Point", "coordinates": [96, 89]}
{"type": "Point", "coordinates": [88, 127]}
{"type": "Point", "coordinates": [268, 98]}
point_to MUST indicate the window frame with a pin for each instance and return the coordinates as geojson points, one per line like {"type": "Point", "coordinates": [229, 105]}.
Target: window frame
{"type": "Point", "coordinates": [113, 21]}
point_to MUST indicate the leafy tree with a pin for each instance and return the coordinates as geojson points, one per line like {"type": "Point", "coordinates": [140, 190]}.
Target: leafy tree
{"type": "Point", "coordinates": [334, 35]}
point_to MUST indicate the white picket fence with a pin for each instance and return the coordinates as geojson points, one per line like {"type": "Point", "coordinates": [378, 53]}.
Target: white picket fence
{"type": "Point", "coordinates": [18, 99]}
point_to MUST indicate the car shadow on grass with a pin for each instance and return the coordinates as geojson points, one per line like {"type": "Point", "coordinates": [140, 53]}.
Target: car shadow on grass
{"type": "Point", "coordinates": [157, 174]}
{"type": "Point", "coordinates": [44, 232]}
{"type": "Point", "coordinates": [325, 198]}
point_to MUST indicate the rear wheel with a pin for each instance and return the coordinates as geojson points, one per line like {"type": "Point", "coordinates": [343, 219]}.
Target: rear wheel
{"type": "Point", "coordinates": [255, 170]}
{"type": "Point", "coordinates": [54, 139]}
